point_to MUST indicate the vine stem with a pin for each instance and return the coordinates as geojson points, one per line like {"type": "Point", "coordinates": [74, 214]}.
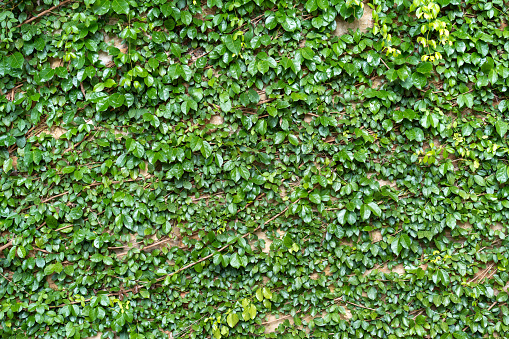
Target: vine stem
{"type": "Point", "coordinates": [88, 186]}
{"type": "Point", "coordinates": [368, 308]}
{"type": "Point", "coordinates": [185, 329]}
{"type": "Point", "coordinates": [8, 244]}
{"type": "Point", "coordinates": [64, 227]}
{"type": "Point", "coordinates": [384, 63]}
{"type": "Point", "coordinates": [492, 305]}
{"type": "Point", "coordinates": [43, 13]}
{"type": "Point", "coordinates": [228, 245]}
{"type": "Point", "coordinates": [9, 280]}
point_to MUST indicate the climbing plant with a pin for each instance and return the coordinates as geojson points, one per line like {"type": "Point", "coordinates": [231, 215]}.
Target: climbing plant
{"type": "Point", "coordinates": [217, 169]}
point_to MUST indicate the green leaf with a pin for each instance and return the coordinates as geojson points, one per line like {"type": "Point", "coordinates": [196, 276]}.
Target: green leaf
{"type": "Point", "coordinates": [152, 62]}
{"type": "Point", "coordinates": [5, 66]}
{"type": "Point", "coordinates": [206, 149]}
{"type": "Point", "coordinates": [441, 276]}
{"type": "Point", "coordinates": [158, 37]}
{"type": "Point", "coordinates": [196, 93]}
{"type": "Point", "coordinates": [415, 134]}
{"type": "Point", "coordinates": [373, 206]}
{"type": "Point", "coordinates": [186, 17]}
{"type": "Point", "coordinates": [54, 268]}
{"type": "Point", "coordinates": [89, 72]}
{"type": "Point", "coordinates": [68, 169]}
{"type": "Point", "coordinates": [102, 104]}
{"type": "Point", "coordinates": [253, 96]}
{"type": "Point", "coordinates": [289, 24]}
{"type": "Point", "coordinates": [244, 172]}
{"type": "Point", "coordinates": [387, 125]}
{"type": "Point", "coordinates": [135, 147]}
{"type": "Point", "coordinates": [198, 267]}
{"type": "Point", "coordinates": [323, 4]}
{"type": "Point", "coordinates": [120, 6]}
{"type": "Point", "coordinates": [259, 294]}
{"type": "Point", "coordinates": [293, 139]}
{"type": "Point", "coordinates": [465, 100]}
{"type": "Point", "coordinates": [47, 74]}
{"type": "Point", "coordinates": [219, 160]}
{"type": "Point", "coordinates": [493, 76]}
{"type": "Point", "coordinates": [235, 261]}
{"type": "Point", "coordinates": [110, 83]}
{"type": "Point", "coordinates": [17, 60]}
{"type": "Point", "coordinates": [315, 198]}
{"type": "Point", "coordinates": [425, 67]}
{"type": "Point", "coordinates": [488, 65]}
{"type": "Point", "coordinates": [21, 251]}
{"type": "Point", "coordinates": [482, 47]}
{"type": "Point", "coordinates": [391, 74]}
{"type": "Point", "coordinates": [403, 73]}
{"type": "Point", "coordinates": [365, 212]}
{"type": "Point", "coordinates": [233, 45]}
{"type": "Point", "coordinates": [8, 165]}
{"type": "Point", "coordinates": [396, 246]}
{"type": "Point", "coordinates": [371, 293]}
{"type": "Point", "coordinates": [479, 180]}
{"type": "Point", "coordinates": [50, 269]}
{"type": "Point", "coordinates": [419, 80]}
{"type": "Point", "coordinates": [267, 293]}
{"type": "Point", "coordinates": [98, 87]}
{"type": "Point", "coordinates": [270, 22]}
{"type": "Point", "coordinates": [69, 329]}
{"type": "Point", "coordinates": [341, 216]}
{"type": "Point", "coordinates": [76, 213]}
{"type": "Point", "coordinates": [69, 270]}
{"type": "Point", "coordinates": [252, 311]}
{"type": "Point", "coordinates": [279, 138]}
{"type": "Point", "coordinates": [287, 240]}
{"type": "Point", "coordinates": [502, 297]}
{"type": "Point", "coordinates": [502, 174]}
{"type": "Point", "coordinates": [243, 260]}
{"type": "Point", "coordinates": [130, 144]}
{"type": "Point", "coordinates": [322, 181]}
{"type": "Point", "coordinates": [405, 241]}
{"type": "Point", "coordinates": [263, 66]}
{"type": "Point", "coordinates": [232, 319]}
{"type": "Point", "coordinates": [351, 218]}
{"type": "Point", "coordinates": [501, 127]}
{"type": "Point", "coordinates": [101, 7]}
{"type": "Point", "coordinates": [450, 220]}
{"type": "Point", "coordinates": [104, 300]}
{"type": "Point", "coordinates": [311, 5]}
{"type": "Point", "coordinates": [307, 53]}
{"type": "Point", "coordinates": [245, 314]}
{"type": "Point", "coordinates": [261, 126]}
{"type": "Point", "coordinates": [40, 262]}
{"type": "Point", "coordinates": [318, 22]}
{"type": "Point", "coordinates": [235, 174]}
{"type": "Point", "coordinates": [502, 106]}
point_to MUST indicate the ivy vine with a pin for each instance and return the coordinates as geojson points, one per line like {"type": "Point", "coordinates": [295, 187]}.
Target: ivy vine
{"type": "Point", "coordinates": [214, 169]}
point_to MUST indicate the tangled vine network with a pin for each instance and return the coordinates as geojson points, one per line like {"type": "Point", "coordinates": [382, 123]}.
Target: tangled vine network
{"type": "Point", "coordinates": [254, 168]}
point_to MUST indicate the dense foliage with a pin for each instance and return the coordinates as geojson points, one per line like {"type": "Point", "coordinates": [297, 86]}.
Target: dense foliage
{"type": "Point", "coordinates": [236, 170]}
